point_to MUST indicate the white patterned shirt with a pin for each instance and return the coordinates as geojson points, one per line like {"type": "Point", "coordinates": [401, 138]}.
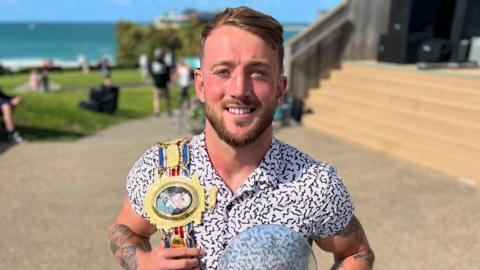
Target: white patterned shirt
{"type": "Point", "coordinates": [288, 188]}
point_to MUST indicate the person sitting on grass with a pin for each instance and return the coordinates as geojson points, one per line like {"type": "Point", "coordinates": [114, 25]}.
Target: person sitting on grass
{"type": "Point", "coordinates": [8, 104]}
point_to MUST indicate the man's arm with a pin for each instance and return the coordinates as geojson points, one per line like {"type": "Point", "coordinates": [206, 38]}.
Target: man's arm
{"type": "Point", "coordinates": [129, 241]}
{"type": "Point", "coordinates": [350, 248]}
{"type": "Point", "coordinates": [128, 233]}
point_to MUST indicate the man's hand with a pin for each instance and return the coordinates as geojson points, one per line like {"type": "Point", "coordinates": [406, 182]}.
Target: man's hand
{"type": "Point", "coordinates": [129, 241]}
{"type": "Point", "coordinates": [162, 258]}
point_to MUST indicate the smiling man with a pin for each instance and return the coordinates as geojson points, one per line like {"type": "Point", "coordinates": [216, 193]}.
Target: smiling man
{"type": "Point", "coordinates": [259, 179]}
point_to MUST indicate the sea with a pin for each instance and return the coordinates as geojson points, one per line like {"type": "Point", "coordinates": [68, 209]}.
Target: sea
{"type": "Point", "coordinates": [24, 45]}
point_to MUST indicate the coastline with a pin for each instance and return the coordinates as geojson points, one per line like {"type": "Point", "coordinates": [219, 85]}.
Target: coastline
{"type": "Point", "coordinates": [17, 64]}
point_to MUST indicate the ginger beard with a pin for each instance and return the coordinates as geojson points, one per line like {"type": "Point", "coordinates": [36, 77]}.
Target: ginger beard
{"type": "Point", "coordinates": [262, 121]}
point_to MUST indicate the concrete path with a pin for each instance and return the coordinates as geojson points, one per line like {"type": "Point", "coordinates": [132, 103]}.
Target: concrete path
{"type": "Point", "coordinates": [58, 199]}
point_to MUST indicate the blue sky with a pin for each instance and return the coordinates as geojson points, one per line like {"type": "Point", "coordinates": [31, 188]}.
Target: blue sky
{"type": "Point", "coordinates": [286, 11]}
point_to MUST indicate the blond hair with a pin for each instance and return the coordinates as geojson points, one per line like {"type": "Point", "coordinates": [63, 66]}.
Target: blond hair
{"type": "Point", "coordinates": [262, 25]}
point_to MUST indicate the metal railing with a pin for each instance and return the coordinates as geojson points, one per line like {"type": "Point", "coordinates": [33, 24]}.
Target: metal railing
{"type": "Point", "coordinates": [310, 55]}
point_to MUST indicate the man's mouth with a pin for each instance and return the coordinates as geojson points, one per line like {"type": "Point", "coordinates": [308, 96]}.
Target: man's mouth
{"type": "Point", "coordinates": [240, 111]}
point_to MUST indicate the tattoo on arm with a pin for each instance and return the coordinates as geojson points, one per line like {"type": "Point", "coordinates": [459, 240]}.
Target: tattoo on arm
{"type": "Point", "coordinates": [119, 235]}
{"type": "Point", "coordinates": [124, 244]}
{"type": "Point", "coordinates": [355, 231]}
{"type": "Point", "coordinates": [127, 259]}
{"type": "Point", "coordinates": [367, 255]}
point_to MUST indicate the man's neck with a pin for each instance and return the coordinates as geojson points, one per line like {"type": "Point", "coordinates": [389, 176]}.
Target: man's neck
{"type": "Point", "coordinates": [235, 164]}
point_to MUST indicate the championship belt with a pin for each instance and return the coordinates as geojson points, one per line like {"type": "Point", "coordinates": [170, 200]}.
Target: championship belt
{"type": "Point", "coordinates": [176, 200]}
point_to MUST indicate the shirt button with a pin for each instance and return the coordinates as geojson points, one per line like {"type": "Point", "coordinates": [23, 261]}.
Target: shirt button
{"type": "Point", "coordinates": [229, 208]}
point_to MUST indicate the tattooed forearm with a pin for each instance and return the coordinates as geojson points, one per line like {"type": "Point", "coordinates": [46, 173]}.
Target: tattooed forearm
{"type": "Point", "coordinates": [368, 255]}
{"type": "Point", "coordinates": [124, 244]}
{"type": "Point", "coordinates": [358, 255]}
{"type": "Point", "coordinates": [119, 235]}
{"type": "Point", "coordinates": [127, 258]}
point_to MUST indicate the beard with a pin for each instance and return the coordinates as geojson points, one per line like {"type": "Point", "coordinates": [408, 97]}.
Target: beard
{"type": "Point", "coordinates": [266, 118]}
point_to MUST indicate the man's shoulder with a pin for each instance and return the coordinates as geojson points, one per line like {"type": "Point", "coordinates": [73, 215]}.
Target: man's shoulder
{"type": "Point", "coordinates": [302, 163]}
{"type": "Point", "coordinates": [291, 153]}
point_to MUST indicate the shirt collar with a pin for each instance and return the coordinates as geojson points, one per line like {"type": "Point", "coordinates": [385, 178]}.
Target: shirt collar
{"type": "Point", "coordinates": [264, 175]}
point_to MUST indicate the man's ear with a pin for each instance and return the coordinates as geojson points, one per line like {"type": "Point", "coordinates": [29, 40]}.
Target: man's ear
{"type": "Point", "coordinates": [281, 88]}
{"type": "Point", "coordinates": [199, 84]}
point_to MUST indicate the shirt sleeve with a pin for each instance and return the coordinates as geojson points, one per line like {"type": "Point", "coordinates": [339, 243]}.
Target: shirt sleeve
{"type": "Point", "coordinates": [140, 178]}
{"type": "Point", "coordinates": [336, 207]}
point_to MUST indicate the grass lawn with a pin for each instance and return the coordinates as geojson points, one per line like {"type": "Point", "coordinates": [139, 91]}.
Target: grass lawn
{"type": "Point", "coordinates": [57, 116]}
{"type": "Point", "coordinates": [73, 79]}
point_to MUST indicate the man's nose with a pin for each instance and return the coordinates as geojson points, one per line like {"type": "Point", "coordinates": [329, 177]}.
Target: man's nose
{"type": "Point", "coordinates": [240, 85]}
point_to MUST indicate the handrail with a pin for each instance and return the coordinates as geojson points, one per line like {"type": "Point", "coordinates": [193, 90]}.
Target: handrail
{"type": "Point", "coordinates": [312, 53]}
{"type": "Point", "coordinates": [310, 34]}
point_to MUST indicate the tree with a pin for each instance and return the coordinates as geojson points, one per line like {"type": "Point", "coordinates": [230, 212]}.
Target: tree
{"type": "Point", "coordinates": [134, 40]}
{"type": "Point", "coordinates": [130, 38]}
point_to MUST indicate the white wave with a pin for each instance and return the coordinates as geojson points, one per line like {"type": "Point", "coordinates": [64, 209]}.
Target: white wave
{"type": "Point", "coordinates": [16, 64]}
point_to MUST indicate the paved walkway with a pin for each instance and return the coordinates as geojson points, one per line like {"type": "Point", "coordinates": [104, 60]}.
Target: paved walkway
{"type": "Point", "coordinates": [58, 199]}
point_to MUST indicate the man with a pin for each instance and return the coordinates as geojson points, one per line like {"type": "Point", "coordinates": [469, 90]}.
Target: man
{"type": "Point", "coordinates": [161, 76]}
{"type": "Point", "coordinates": [102, 99]}
{"type": "Point", "coordinates": [182, 76]}
{"type": "Point", "coordinates": [260, 180]}
{"type": "Point", "coordinates": [8, 104]}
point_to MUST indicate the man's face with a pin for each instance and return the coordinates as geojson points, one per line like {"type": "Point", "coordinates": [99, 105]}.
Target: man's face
{"type": "Point", "coordinates": [240, 85]}
{"type": "Point", "coordinates": [181, 200]}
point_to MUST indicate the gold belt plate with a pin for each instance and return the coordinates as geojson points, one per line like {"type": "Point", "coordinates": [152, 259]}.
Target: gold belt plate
{"type": "Point", "coordinates": [174, 201]}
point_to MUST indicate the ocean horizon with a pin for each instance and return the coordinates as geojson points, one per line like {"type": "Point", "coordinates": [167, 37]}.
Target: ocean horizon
{"type": "Point", "coordinates": [27, 45]}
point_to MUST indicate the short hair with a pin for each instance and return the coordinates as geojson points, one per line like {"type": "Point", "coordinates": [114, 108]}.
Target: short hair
{"type": "Point", "coordinates": [262, 25]}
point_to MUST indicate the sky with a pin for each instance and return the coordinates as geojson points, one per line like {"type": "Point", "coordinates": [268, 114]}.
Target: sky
{"type": "Point", "coordinates": [285, 11]}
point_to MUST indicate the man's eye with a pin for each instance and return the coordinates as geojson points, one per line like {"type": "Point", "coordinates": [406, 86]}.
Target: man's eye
{"type": "Point", "coordinates": [258, 73]}
{"type": "Point", "coordinates": [222, 72]}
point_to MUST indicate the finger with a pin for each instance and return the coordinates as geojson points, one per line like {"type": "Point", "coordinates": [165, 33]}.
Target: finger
{"type": "Point", "coordinates": [175, 253]}
{"type": "Point", "coordinates": [162, 244]}
{"type": "Point", "coordinates": [184, 264]}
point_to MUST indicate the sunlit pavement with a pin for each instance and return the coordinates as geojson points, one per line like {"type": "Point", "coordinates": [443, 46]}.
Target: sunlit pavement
{"type": "Point", "coordinates": [58, 200]}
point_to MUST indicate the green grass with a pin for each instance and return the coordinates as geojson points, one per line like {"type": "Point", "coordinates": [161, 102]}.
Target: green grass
{"type": "Point", "coordinates": [57, 115]}
{"type": "Point", "coordinates": [73, 79]}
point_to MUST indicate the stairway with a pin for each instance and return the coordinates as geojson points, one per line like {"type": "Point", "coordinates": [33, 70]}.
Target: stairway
{"type": "Point", "coordinates": [428, 118]}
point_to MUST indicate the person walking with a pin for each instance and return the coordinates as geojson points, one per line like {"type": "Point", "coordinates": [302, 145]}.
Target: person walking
{"type": "Point", "coordinates": [183, 77]}
{"type": "Point", "coordinates": [161, 77]}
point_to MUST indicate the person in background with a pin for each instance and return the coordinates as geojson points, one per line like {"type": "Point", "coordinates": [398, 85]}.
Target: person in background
{"type": "Point", "coordinates": [161, 76]}
{"type": "Point", "coordinates": [35, 80]}
{"type": "Point", "coordinates": [170, 59]}
{"type": "Point", "coordinates": [102, 99]}
{"type": "Point", "coordinates": [143, 65]}
{"type": "Point", "coordinates": [8, 104]}
{"type": "Point", "coordinates": [44, 80]}
{"type": "Point", "coordinates": [83, 64]}
{"type": "Point", "coordinates": [183, 78]}
{"type": "Point", "coordinates": [105, 68]}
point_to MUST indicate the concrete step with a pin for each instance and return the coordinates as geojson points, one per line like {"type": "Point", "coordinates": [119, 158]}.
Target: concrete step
{"type": "Point", "coordinates": [404, 74]}
{"type": "Point", "coordinates": [420, 89]}
{"type": "Point", "coordinates": [444, 109]}
{"type": "Point", "coordinates": [428, 118]}
{"type": "Point", "coordinates": [445, 129]}
{"type": "Point", "coordinates": [400, 131]}
{"type": "Point", "coordinates": [379, 139]}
